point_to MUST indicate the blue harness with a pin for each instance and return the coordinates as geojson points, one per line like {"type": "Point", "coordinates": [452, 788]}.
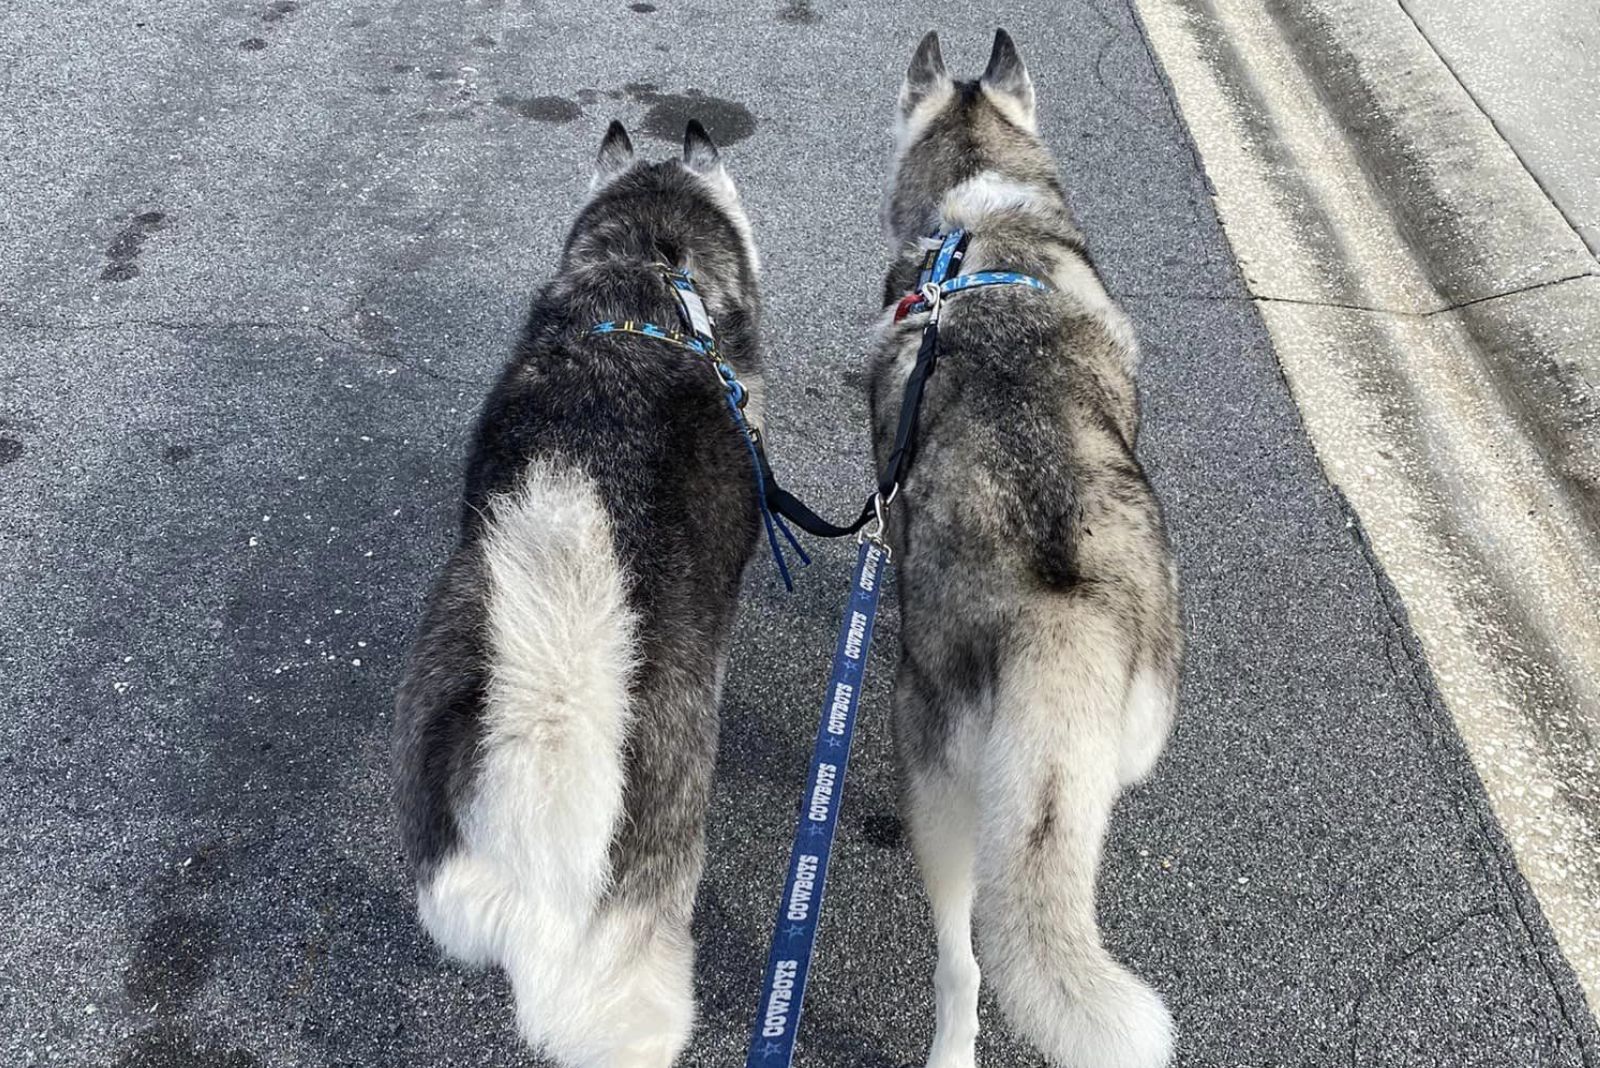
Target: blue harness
{"type": "Point", "coordinates": [945, 253]}
{"type": "Point", "coordinates": [701, 339]}
{"type": "Point", "coordinates": [795, 931]}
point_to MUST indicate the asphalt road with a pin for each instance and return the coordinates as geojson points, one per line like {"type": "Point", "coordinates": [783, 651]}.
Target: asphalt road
{"type": "Point", "coordinates": [258, 264]}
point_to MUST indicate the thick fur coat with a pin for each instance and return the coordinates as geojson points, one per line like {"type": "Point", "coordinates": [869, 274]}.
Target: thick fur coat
{"type": "Point", "coordinates": [1041, 641]}
{"type": "Point", "coordinates": [556, 727]}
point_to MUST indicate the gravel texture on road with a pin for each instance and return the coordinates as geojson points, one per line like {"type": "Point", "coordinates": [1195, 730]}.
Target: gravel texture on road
{"type": "Point", "coordinates": [260, 264]}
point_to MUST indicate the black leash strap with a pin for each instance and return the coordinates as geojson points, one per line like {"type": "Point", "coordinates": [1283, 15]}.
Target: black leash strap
{"type": "Point", "coordinates": [795, 511]}
{"type": "Point", "coordinates": [910, 408]}
{"type": "Point", "coordinates": [942, 262]}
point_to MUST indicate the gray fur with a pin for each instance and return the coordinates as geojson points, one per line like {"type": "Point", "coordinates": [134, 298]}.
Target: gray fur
{"type": "Point", "coordinates": [1041, 640]}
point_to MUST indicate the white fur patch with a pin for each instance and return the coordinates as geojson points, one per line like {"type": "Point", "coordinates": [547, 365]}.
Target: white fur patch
{"type": "Point", "coordinates": [1150, 709]}
{"type": "Point", "coordinates": [594, 987]}
{"type": "Point", "coordinates": [990, 192]}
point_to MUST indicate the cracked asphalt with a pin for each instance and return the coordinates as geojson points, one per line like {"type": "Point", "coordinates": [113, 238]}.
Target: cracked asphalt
{"type": "Point", "coordinates": [258, 265]}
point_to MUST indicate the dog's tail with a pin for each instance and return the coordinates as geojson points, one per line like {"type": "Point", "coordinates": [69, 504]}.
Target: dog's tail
{"type": "Point", "coordinates": [1052, 766]}
{"type": "Point", "coordinates": [526, 887]}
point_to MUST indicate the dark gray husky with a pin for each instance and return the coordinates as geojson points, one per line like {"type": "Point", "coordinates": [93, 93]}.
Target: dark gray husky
{"type": "Point", "coordinates": [556, 727]}
{"type": "Point", "coordinates": [1040, 643]}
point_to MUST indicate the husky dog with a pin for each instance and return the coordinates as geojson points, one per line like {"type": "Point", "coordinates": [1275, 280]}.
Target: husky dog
{"type": "Point", "coordinates": [1041, 639]}
{"type": "Point", "coordinates": [557, 724]}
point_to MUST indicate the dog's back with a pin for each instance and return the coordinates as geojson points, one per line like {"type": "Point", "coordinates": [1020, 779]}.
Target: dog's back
{"type": "Point", "coordinates": [1040, 644]}
{"type": "Point", "coordinates": [556, 727]}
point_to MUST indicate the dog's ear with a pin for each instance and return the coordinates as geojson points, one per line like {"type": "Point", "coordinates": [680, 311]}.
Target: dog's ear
{"type": "Point", "coordinates": [616, 155]}
{"type": "Point", "coordinates": [1007, 79]}
{"type": "Point", "coordinates": [925, 76]}
{"type": "Point", "coordinates": [699, 151]}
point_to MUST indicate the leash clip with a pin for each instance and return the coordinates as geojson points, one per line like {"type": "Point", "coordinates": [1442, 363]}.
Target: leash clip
{"type": "Point", "coordinates": [879, 534]}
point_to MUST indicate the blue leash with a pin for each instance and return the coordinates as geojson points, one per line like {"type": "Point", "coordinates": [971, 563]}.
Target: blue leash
{"type": "Point", "coordinates": [795, 936]}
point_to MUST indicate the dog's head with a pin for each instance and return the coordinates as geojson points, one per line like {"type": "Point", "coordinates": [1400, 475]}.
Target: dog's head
{"type": "Point", "coordinates": [683, 211]}
{"type": "Point", "coordinates": [950, 132]}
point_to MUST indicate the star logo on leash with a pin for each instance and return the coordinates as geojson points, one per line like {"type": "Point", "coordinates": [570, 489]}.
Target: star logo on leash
{"type": "Point", "coordinates": [794, 930]}
{"type": "Point", "coordinates": [817, 830]}
{"type": "Point", "coordinates": [771, 1049]}
{"type": "Point", "coordinates": [835, 742]}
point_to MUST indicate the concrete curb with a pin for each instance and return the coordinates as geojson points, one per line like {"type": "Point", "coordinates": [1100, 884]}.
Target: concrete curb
{"type": "Point", "coordinates": [1438, 321]}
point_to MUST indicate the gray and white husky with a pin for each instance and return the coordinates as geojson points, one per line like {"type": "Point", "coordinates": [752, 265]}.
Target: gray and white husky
{"type": "Point", "coordinates": [1040, 642]}
{"type": "Point", "coordinates": [556, 727]}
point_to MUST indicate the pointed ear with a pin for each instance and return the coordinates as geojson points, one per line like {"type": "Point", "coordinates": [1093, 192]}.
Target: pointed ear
{"type": "Point", "coordinates": [699, 151]}
{"type": "Point", "coordinates": [1007, 78]}
{"type": "Point", "coordinates": [616, 155]}
{"type": "Point", "coordinates": [925, 76]}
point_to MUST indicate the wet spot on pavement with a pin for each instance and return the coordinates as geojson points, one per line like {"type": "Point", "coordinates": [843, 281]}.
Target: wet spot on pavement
{"type": "Point", "coordinates": [587, 96]}
{"type": "Point", "coordinates": [359, 23]}
{"type": "Point", "coordinates": [727, 121]}
{"type": "Point", "coordinates": [439, 75]}
{"type": "Point", "coordinates": [280, 10]}
{"type": "Point", "coordinates": [542, 108]}
{"type": "Point", "coordinates": [798, 13]}
{"type": "Point", "coordinates": [124, 249]}
{"type": "Point", "coordinates": [176, 454]}
{"type": "Point", "coordinates": [372, 326]}
{"type": "Point", "coordinates": [483, 40]}
{"type": "Point", "coordinates": [171, 961]}
{"type": "Point", "coordinates": [252, 44]}
{"type": "Point", "coordinates": [642, 7]}
{"type": "Point", "coordinates": [882, 829]}
{"type": "Point", "coordinates": [10, 450]}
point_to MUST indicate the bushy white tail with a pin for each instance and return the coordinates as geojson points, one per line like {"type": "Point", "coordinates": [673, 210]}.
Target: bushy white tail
{"type": "Point", "coordinates": [595, 986]}
{"type": "Point", "coordinates": [1052, 766]}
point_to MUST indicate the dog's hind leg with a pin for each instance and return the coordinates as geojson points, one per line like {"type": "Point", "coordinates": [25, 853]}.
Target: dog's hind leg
{"type": "Point", "coordinates": [1051, 771]}
{"type": "Point", "coordinates": [942, 818]}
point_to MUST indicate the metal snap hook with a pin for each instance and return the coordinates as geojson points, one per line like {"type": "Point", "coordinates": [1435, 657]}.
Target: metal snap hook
{"type": "Point", "coordinates": [878, 534]}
